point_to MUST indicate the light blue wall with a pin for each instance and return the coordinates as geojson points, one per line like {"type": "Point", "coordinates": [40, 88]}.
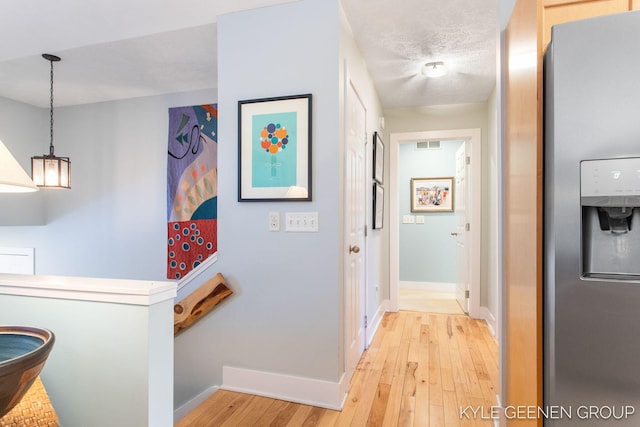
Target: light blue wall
{"type": "Point", "coordinates": [112, 222]}
{"type": "Point", "coordinates": [427, 251]}
{"type": "Point", "coordinates": [285, 314]}
{"type": "Point", "coordinates": [105, 360]}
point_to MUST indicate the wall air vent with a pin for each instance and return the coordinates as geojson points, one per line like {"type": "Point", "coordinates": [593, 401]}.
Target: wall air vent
{"type": "Point", "coordinates": [428, 145]}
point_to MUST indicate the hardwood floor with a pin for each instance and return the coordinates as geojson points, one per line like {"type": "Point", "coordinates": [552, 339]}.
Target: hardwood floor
{"type": "Point", "coordinates": [421, 370]}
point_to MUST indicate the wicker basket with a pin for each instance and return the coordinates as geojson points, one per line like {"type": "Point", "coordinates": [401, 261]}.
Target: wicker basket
{"type": "Point", "coordinates": [34, 410]}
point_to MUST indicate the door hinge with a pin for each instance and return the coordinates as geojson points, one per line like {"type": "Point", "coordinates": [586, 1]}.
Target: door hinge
{"type": "Point", "coordinates": [366, 321]}
{"type": "Point", "coordinates": [365, 230]}
{"type": "Point", "coordinates": [466, 293]}
{"type": "Point", "coordinates": [468, 160]}
{"type": "Point", "coordinates": [467, 227]}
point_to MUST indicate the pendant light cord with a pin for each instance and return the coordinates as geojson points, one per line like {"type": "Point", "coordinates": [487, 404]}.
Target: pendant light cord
{"type": "Point", "coordinates": [51, 114]}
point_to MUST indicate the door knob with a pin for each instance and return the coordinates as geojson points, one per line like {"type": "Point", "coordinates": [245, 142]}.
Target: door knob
{"type": "Point", "coordinates": [354, 249]}
{"type": "Point", "coordinates": [453, 233]}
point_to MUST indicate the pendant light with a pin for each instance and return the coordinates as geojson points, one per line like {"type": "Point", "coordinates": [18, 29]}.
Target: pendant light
{"type": "Point", "coordinates": [49, 171]}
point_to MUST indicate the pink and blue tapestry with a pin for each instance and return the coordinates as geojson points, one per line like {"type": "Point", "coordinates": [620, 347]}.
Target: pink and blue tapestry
{"type": "Point", "coordinates": [192, 188]}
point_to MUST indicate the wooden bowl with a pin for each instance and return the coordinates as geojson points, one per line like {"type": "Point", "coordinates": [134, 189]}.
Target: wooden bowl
{"type": "Point", "coordinates": [23, 351]}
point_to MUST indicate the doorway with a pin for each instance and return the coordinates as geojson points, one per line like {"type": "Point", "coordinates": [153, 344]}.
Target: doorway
{"type": "Point", "coordinates": [431, 206]}
{"type": "Point", "coordinates": [399, 190]}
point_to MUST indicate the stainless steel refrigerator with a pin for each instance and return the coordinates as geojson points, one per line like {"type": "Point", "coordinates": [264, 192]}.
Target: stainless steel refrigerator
{"type": "Point", "coordinates": [592, 223]}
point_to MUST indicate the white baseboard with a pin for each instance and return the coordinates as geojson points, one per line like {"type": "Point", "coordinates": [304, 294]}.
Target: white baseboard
{"type": "Point", "coordinates": [374, 323]}
{"type": "Point", "coordinates": [308, 391]}
{"type": "Point", "coordinates": [486, 314]}
{"type": "Point", "coordinates": [183, 410]}
{"type": "Point", "coordinates": [428, 286]}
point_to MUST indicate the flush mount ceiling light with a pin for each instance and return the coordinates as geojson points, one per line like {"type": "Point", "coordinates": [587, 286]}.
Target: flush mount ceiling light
{"type": "Point", "coordinates": [48, 170]}
{"type": "Point", "coordinates": [434, 69]}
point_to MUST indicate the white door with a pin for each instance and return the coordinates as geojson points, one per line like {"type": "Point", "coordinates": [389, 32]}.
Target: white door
{"type": "Point", "coordinates": [461, 189]}
{"type": "Point", "coordinates": [354, 218]}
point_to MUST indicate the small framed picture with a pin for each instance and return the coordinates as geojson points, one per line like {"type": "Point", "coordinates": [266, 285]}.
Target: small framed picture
{"type": "Point", "coordinates": [378, 158]}
{"type": "Point", "coordinates": [378, 206]}
{"type": "Point", "coordinates": [432, 194]}
{"type": "Point", "coordinates": [274, 149]}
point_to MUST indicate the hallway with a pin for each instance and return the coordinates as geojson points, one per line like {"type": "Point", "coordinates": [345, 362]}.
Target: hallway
{"type": "Point", "coordinates": [421, 370]}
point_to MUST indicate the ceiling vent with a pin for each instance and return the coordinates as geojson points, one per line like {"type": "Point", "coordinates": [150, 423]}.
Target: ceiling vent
{"type": "Point", "coordinates": [428, 145]}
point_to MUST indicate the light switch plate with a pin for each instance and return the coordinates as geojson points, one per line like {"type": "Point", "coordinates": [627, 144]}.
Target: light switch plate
{"type": "Point", "coordinates": [419, 219]}
{"type": "Point", "coordinates": [274, 221]}
{"type": "Point", "coordinates": [303, 222]}
{"type": "Point", "coordinates": [408, 219]}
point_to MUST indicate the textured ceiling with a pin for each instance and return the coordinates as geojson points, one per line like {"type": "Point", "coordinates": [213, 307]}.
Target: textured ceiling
{"type": "Point", "coordinates": [397, 38]}
{"type": "Point", "coordinates": [120, 49]}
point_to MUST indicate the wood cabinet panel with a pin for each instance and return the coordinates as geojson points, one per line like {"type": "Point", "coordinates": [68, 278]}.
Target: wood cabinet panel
{"type": "Point", "coordinates": [523, 240]}
{"type": "Point", "coordinates": [557, 12]}
{"type": "Point", "coordinates": [635, 4]}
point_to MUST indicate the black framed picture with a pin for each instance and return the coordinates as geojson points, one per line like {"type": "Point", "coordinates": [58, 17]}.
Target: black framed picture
{"type": "Point", "coordinates": [378, 158]}
{"type": "Point", "coordinates": [274, 149]}
{"type": "Point", "coordinates": [378, 206]}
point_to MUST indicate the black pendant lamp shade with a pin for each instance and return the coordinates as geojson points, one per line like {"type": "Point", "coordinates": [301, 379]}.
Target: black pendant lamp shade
{"type": "Point", "coordinates": [48, 170]}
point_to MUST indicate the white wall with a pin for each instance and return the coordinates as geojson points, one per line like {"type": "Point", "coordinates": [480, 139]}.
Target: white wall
{"type": "Point", "coordinates": [24, 129]}
{"type": "Point", "coordinates": [437, 117]}
{"type": "Point", "coordinates": [491, 293]}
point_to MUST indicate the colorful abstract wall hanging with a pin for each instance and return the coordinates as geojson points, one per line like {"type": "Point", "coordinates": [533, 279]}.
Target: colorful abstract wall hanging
{"type": "Point", "coordinates": [192, 188]}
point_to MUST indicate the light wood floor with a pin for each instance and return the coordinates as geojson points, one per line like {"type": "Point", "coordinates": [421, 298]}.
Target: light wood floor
{"type": "Point", "coordinates": [419, 371]}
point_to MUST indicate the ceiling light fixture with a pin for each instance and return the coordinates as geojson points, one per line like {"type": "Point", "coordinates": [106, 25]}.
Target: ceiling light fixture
{"type": "Point", "coordinates": [48, 170]}
{"type": "Point", "coordinates": [434, 69]}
